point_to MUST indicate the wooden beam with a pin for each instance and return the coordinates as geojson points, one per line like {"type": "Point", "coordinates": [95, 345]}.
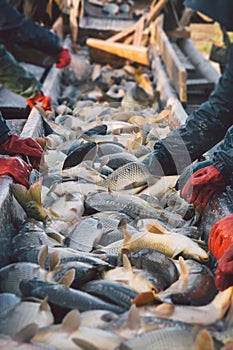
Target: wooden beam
{"type": "Point", "coordinates": [175, 69]}
{"type": "Point", "coordinates": [138, 32]}
{"type": "Point", "coordinates": [138, 54]}
{"type": "Point", "coordinates": [156, 8]}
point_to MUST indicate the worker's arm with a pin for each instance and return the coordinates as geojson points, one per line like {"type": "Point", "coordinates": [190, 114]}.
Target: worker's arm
{"type": "Point", "coordinates": [15, 78]}
{"type": "Point", "coordinates": [17, 29]}
{"type": "Point", "coordinates": [204, 128]}
{"type": "Point", "coordinates": [14, 145]}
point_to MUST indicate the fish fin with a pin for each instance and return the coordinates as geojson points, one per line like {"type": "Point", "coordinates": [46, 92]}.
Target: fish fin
{"type": "Point", "coordinates": [204, 341]}
{"type": "Point", "coordinates": [84, 344]}
{"type": "Point", "coordinates": [68, 278]}
{"type": "Point", "coordinates": [144, 298]}
{"type": "Point", "coordinates": [26, 333]}
{"type": "Point", "coordinates": [156, 227]}
{"type": "Point", "coordinates": [98, 120]}
{"type": "Point", "coordinates": [35, 191]}
{"type": "Point", "coordinates": [165, 309]}
{"type": "Point", "coordinates": [122, 223]}
{"type": "Point", "coordinates": [20, 193]}
{"type": "Point", "coordinates": [229, 316]}
{"type": "Point", "coordinates": [126, 263]}
{"type": "Point", "coordinates": [71, 322]}
{"type": "Point", "coordinates": [134, 321]}
{"type": "Point", "coordinates": [104, 162]}
{"type": "Point", "coordinates": [44, 306]}
{"type": "Point", "coordinates": [42, 256]}
{"type": "Point", "coordinates": [54, 260]}
{"type": "Point", "coordinates": [183, 268]}
{"type": "Point", "coordinates": [127, 235]}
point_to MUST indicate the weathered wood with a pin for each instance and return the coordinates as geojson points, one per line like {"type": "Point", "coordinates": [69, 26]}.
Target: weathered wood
{"type": "Point", "coordinates": [168, 94]}
{"type": "Point", "coordinates": [137, 54]}
{"type": "Point", "coordinates": [203, 66]}
{"type": "Point", "coordinates": [156, 8]}
{"type": "Point", "coordinates": [138, 32]}
{"type": "Point", "coordinates": [175, 69]}
{"type": "Point", "coordinates": [178, 34]}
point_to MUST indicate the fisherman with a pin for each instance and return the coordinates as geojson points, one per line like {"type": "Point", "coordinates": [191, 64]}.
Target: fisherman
{"type": "Point", "coordinates": [18, 31]}
{"type": "Point", "coordinates": [28, 41]}
{"type": "Point", "coordinates": [204, 128]}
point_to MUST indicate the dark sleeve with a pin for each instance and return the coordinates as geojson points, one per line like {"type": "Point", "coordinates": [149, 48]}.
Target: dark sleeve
{"type": "Point", "coordinates": [28, 33]}
{"type": "Point", "coordinates": [203, 129]}
{"type": "Point", "coordinates": [223, 156]}
{"type": "Point", "coordinates": [4, 130]}
{"type": "Point", "coordinates": [15, 78]}
{"type": "Point", "coordinates": [9, 17]}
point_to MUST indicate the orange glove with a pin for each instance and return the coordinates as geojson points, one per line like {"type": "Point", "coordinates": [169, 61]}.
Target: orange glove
{"type": "Point", "coordinates": [224, 272]}
{"type": "Point", "coordinates": [45, 101]}
{"type": "Point", "coordinates": [64, 58]}
{"type": "Point", "coordinates": [17, 168]}
{"type": "Point", "coordinates": [202, 185]}
{"type": "Point", "coordinates": [221, 236]}
{"type": "Point", "coordinates": [26, 146]}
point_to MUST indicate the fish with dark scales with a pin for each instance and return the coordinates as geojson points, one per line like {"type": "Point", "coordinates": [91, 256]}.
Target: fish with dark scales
{"type": "Point", "coordinates": [65, 297]}
{"type": "Point", "coordinates": [111, 291]}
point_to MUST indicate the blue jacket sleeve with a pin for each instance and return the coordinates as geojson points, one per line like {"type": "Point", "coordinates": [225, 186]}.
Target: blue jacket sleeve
{"type": "Point", "coordinates": [4, 130]}
{"type": "Point", "coordinates": [17, 28]}
{"type": "Point", "coordinates": [203, 129]}
{"type": "Point", "coordinates": [223, 157]}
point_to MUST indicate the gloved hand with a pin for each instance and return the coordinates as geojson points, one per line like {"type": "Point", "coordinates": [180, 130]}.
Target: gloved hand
{"type": "Point", "coordinates": [224, 272]}
{"type": "Point", "coordinates": [17, 168]}
{"type": "Point", "coordinates": [202, 185]}
{"type": "Point", "coordinates": [64, 58]}
{"type": "Point", "coordinates": [221, 236]}
{"type": "Point", "coordinates": [45, 101]}
{"type": "Point", "coordinates": [26, 146]}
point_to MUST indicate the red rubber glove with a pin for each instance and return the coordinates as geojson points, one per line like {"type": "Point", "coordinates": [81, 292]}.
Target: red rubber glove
{"type": "Point", "coordinates": [221, 236]}
{"type": "Point", "coordinates": [202, 185]}
{"type": "Point", "coordinates": [224, 272]}
{"type": "Point", "coordinates": [64, 58]}
{"type": "Point", "coordinates": [17, 168]}
{"type": "Point", "coordinates": [26, 146]}
{"type": "Point", "coordinates": [45, 101]}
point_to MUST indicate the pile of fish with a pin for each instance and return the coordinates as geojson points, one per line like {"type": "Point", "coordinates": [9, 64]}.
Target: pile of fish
{"type": "Point", "coordinates": [110, 256]}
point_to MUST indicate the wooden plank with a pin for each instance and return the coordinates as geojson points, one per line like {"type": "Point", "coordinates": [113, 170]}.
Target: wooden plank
{"type": "Point", "coordinates": [167, 92]}
{"type": "Point", "coordinates": [138, 32]}
{"type": "Point", "coordinates": [136, 54]}
{"type": "Point", "coordinates": [175, 69]}
{"type": "Point", "coordinates": [178, 34]}
{"type": "Point", "coordinates": [123, 34]}
{"type": "Point", "coordinates": [156, 8]}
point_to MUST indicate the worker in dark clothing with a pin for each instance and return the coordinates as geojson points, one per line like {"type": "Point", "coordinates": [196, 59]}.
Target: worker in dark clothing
{"type": "Point", "coordinates": [204, 128]}
{"type": "Point", "coordinates": [28, 41]}
{"type": "Point", "coordinates": [18, 31]}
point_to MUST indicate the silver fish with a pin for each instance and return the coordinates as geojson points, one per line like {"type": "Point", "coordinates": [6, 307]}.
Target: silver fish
{"type": "Point", "coordinates": [132, 174]}
{"type": "Point", "coordinates": [131, 205]}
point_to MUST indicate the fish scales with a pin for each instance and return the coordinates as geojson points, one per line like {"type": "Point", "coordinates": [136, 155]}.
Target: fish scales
{"type": "Point", "coordinates": [171, 244]}
{"type": "Point", "coordinates": [112, 290]}
{"type": "Point", "coordinates": [11, 275]}
{"type": "Point", "coordinates": [162, 339]}
{"type": "Point", "coordinates": [65, 297]}
{"type": "Point", "coordinates": [131, 205]}
{"type": "Point", "coordinates": [126, 175]}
